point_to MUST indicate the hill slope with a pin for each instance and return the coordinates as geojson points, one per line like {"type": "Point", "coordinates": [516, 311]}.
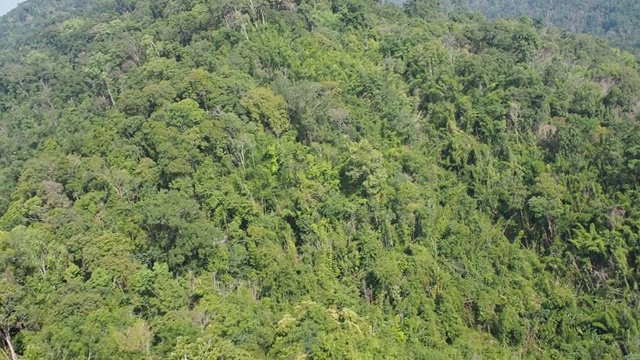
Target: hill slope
{"type": "Point", "coordinates": [617, 20]}
{"type": "Point", "coordinates": [324, 179]}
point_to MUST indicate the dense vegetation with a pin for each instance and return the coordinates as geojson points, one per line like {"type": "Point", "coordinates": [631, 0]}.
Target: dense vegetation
{"type": "Point", "coordinates": [616, 20]}
{"type": "Point", "coordinates": [330, 179]}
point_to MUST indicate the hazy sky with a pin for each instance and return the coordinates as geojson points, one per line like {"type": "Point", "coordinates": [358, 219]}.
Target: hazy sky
{"type": "Point", "coordinates": [6, 5]}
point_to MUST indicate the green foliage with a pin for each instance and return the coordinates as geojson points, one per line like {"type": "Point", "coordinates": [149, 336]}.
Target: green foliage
{"type": "Point", "coordinates": [266, 107]}
{"type": "Point", "coordinates": [314, 180]}
{"type": "Point", "coordinates": [616, 20]}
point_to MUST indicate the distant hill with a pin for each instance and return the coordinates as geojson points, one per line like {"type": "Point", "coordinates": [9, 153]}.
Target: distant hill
{"type": "Point", "coordinates": [617, 20]}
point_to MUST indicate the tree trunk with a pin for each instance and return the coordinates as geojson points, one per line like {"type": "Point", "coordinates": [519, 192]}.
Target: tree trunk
{"type": "Point", "coordinates": [6, 339]}
{"type": "Point", "coordinates": [106, 83]}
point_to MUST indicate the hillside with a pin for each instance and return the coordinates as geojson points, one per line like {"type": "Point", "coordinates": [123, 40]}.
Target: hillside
{"type": "Point", "coordinates": [324, 179]}
{"type": "Point", "coordinates": [616, 20]}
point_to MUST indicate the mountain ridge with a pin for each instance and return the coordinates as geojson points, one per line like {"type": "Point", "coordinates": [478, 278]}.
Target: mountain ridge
{"type": "Point", "coordinates": [354, 180]}
{"type": "Point", "coordinates": [615, 20]}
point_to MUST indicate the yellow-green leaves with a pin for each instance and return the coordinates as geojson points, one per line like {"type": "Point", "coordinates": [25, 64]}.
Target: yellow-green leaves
{"type": "Point", "coordinates": [268, 108]}
{"type": "Point", "coordinates": [183, 115]}
{"type": "Point", "coordinates": [365, 167]}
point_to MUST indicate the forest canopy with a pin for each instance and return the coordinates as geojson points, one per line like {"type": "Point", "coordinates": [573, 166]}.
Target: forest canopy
{"type": "Point", "coordinates": [315, 179]}
{"type": "Point", "coordinates": [616, 20]}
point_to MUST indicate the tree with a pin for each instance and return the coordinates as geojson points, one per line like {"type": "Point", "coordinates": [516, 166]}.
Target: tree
{"type": "Point", "coordinates": [365, 168]}
{"type": "Point", "coordinates": [266, 107]}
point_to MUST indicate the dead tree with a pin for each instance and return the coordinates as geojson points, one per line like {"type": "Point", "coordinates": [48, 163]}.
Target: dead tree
{"type": "Point", "coordinates": [287, 6]}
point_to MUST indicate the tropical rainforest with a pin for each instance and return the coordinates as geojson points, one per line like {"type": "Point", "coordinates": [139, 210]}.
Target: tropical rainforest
{"type": "Point", "coordinates": [318, 179]}
{"type": "Point", "coordinates": [617, 20]}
